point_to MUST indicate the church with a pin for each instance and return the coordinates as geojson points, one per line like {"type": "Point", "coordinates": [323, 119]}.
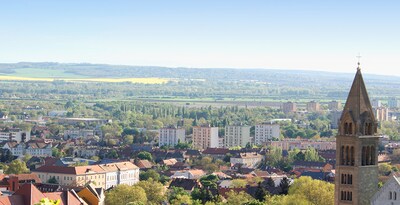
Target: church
{"type": "Point", "coordinates": [356, 179]}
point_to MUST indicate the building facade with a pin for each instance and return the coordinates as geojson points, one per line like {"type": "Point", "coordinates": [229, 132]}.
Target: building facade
{"type": "Point", "coordinates": [289, 107]}
{"type": "Point", "coordinates": [266, 132]}
{"type": "Point", "coordinates": [335, 105]}
{"type": "Point", "coordinates": [356, 179]}
{"type": "Point", "coordinates": [381, 114]}
{"type": "Point", "coordinates": [236, 136]}
{"type": "Point", "coordinates": [389, 193]}
{"type": "Point", "coordinates": [393, 103]}
{"type": "Point", "coordinates": [171, 136]}
{"type": "Point", "coordinates": [313, 106]}
{"type": "Point", "coordinates": [100, 176]}
{"type": "Point", "coordinates": [204, 137]}
{"type": "Point", "coordinates": [15, 135]}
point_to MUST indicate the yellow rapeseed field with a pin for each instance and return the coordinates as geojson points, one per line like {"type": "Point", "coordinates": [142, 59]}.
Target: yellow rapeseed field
{"type": "Point", "coordinates": [110, 80]}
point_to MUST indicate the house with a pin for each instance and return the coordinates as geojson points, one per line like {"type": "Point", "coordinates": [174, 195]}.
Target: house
{"type": "Point", "coordinates": [33, 148]}
{"type": "Point", "coordinates": [13, 182]}
{"type": "Point", "coordinates": [144, 164]}
{"type": "Point", "coordinates": [189, 174]}
{"type": "Point", "coordinates": [187, 184]}
{"type": "Point", "coordinates": [92, 195]}
{"type": "Point", "coordinates": [389, 193]}
{"type": "Point", "coordinates": [28, 194]}
{"type": "Point", "coordinates": [249, 160]}
{"type": "Point", "coordinates": [168, 162]}
{"type": "Point", "coordinates": [215, 153]}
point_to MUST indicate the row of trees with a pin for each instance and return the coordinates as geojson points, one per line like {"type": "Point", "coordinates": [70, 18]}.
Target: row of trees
{"type": "Point", "coordinates": [304, 191]}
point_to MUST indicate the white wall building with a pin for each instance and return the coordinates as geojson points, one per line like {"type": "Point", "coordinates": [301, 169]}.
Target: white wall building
{"type": "Point", "coordinates": [236, 136]}
{"type": "Point", "coordinates": [389, 194]}
{"type": "Point", "coordinates": [15, 135]}
{"type": "Point", "coordinates": [35, 149]}
{"type": "Point", "coordinates": [171, 136]}
{"type": "Point", "coordinates": [266, 132]}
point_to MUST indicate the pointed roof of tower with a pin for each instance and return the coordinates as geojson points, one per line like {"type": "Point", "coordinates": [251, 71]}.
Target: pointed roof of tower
{"type": "Point", "coordinates": [358, 101]}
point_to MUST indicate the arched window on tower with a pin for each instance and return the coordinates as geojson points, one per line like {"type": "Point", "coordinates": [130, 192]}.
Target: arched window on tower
{"type": "Point", "coordinates": [372, 155]}
{"type": "Point", "coordinates": [390, 196]}
{"type": "Point", "coordinates": [347, 155]}
{"type": "Point", "coordinates": [350, 128]}
{"type": "Point", "coordinates": [346, 128]}
{"type": "Point", "coordinates": [342, 155]}
{"type": "Point", "coordinates": [368, 155]}
{"type": "Point", "coordinates": [352, 157]}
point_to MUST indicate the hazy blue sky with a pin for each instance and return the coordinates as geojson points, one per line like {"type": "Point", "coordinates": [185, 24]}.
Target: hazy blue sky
{"type": "Point", "coordinates": [316, 35]}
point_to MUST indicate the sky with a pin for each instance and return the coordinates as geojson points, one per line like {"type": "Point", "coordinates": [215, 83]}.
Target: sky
{"type": "Point", "coordinates": [298, 34]}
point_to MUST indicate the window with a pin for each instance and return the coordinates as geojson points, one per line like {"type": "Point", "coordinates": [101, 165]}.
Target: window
{"type": "Point", "coordinates": [390, 195]}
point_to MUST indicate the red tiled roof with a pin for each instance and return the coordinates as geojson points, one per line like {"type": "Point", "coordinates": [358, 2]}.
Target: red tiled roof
{"type": "Point", "coordinates": [11, 200]}
{"type": "Point", "coordinates": [144, 164]}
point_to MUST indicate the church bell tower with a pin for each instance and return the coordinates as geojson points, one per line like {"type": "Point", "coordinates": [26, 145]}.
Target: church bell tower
{"type": "Point", "coordinates": [356, 179]}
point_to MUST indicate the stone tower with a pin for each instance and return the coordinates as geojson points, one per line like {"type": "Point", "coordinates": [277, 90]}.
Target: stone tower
{"type": "Point", "coordinates": [356, 148]}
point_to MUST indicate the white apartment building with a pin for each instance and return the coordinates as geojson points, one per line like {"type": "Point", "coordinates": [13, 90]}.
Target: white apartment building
{"type": "Point", "coordinates": [15, 135]}
{"type": "Point", "coordinates": [236, 136]}
{"type": "Point", "coordinates": [35, 149]}
{"type": "Point", "coordinates": [204, 137]}
{"type": "Point", "coordinates": [266, 132]}
{"type": "Point", "coordinates": [171, 136]}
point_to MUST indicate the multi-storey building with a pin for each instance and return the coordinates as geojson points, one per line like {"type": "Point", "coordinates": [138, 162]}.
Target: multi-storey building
{"type": "Point", "coordinates": [204, 137]}
{"type": "Point", "coordinates": [393, 103]}
{"type": "Point", "coordinates": [289, 107]}
{"type": "Point", "coordinates": [171, 136]}
{"type": "Point", "coordinates": [376, 103]}
{"type": "Point", "coordinates": [236, 136]}
{"type": "Point", "coordinates": [313, 106]}
{"type": "Point", "coordinates": [266, 132]}
{"type": "Point", "coordinates": [381, 114]}
{"type": "Point", "coordinates": [15, 135]}
{"type": "Point", "coordinates": [101, 176]}
{"type": "Point", "coordinates": [32, 148]}
{"type": "Point", "coordinates": [78, 133]}
{"type": "Point", "coordinates": [334, 117]}
{"type": "Point", "coordinates": [249, 160]}
{"type": "Point", "coordinates": [335, 105]}
{"type": "Point", "coordinates": [302, 144]}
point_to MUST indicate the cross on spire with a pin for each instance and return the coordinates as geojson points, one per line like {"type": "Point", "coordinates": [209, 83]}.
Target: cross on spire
{"type": "Point", "coordinates": [359, 57]}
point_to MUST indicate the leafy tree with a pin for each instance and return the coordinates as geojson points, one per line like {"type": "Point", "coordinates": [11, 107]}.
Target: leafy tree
{"type": "Point", "coordinates": [182, 199]}
{"type": "Point", "coordinates": [239, 183]}
{"type": "Point", "coordinates": [154, 191]}
{"type": "Point", "coordinates": [284, 185]}
{"type": "Point", "coordinates": [384, 169]}
{"type": "Point", "coordinates": [124, 194]}
{"type": "Point", "coordinates": [237, 198]}
{"type": "Point", "coordinates": [52, 180]}
{"type": "Point", "coordinates": [204, 195]}
{"type": "Point", "coordinates": [261, 192]}
{"type": "Point", "coordinates": [145, 156]}
{"type": "Point", "coordinates": [175, 192]}
{"type": "Point", "coordinates": [46, 201]}
{"type": "Point", "coordinates": [17, 167]}
{"type": "Point", "coordinates": [151, 173]}
{"type": "Point", "coordinates": [56, 152]}
{"type": "Point", "coordinates": [315, 191]}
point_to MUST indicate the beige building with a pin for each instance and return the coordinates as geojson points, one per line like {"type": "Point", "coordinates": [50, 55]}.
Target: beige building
{"type": "Point", "coordinates": [236, 136]}
{"type": "Point", "coordinates": [289, 107]}
{"type": "Point", "coordinates": [381, 114]}
{"type": "Point", "coordinates": [204, 137]}
{"type": "Point", "coordinates": [313, 106]}
{"type": "Point", "coordinates": [171, 136]}
{"type": "Point", "coordinates": [100, 176]}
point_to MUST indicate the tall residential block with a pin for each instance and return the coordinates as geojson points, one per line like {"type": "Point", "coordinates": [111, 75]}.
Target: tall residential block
{"type": "Point", "coordinates": [266, 132]}
{"type": "Point", "coordinates": [313, 106]}
{"type": "Point", "coordinates": [335, 105]}
{"type": "Point", "coordinates": [381, 114]}
{"type": "Point", "coordinates": [289, 107]}
{"type": "Point", "coordinates": [236, 136]}
{"type": "Point", "coordinates": [171, 136]}
{"type": "Point", "coordinates": [204, 137]}
{"type": "Point", "coordinates": [393, 103]}
{"type": "Point", "coordinates": [356, 178]}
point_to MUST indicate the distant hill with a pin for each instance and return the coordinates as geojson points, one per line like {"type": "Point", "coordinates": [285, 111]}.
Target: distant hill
{"type": "Point", "coordinates": [327, 84]}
